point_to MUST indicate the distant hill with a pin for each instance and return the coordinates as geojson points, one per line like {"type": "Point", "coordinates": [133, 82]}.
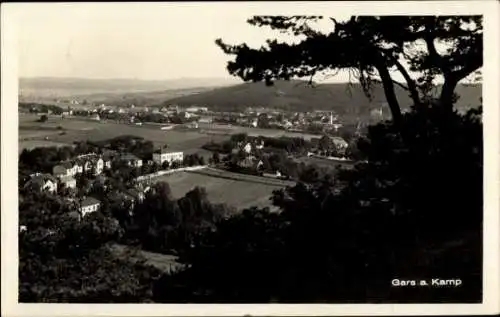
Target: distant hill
{"type": "Point", "coordinates": [298, 96]}
{"type": "Point", "coordinates": [66, 87]}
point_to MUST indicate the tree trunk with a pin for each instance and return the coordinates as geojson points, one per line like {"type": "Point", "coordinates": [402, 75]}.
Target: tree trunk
{"type": "Point", "coordinates": [390, 93]}
{"type": "Point", "coordinates": [412, 87]}
{"type": "Point", "coordinates": [446, 98]}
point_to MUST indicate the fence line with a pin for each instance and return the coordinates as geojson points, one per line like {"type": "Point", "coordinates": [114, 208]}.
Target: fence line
{"type": "Point", "coordinates": [244, 177]}
{"type": "Point", "coordinates": [171, 171]}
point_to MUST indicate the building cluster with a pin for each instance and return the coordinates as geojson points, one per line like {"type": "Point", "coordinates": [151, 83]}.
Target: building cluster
{"type": "Point", "coordinates": [64, 175]}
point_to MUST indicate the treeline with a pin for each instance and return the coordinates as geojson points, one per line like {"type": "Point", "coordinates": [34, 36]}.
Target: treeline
{"type": "Point", "coordinates": [292, 145]}
{"type": "Point", "coordinates": [164, 224]}
{"type": "Point", "coordinates": [280, 162]}
{"type": "Point", "coordinates": [40, 108]}
{"type": "Point", "coordinates": [289, 144]}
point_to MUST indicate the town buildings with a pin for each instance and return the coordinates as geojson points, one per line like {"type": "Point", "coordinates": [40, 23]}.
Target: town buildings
{"type": "Point", "coordinates": [164, 155]}
{"type": "Point", "coordinates": [42, 182]}
{"type": "Point", "coordinates": [131, 160]}
{"type": "Point", "coordinates": [89, 205]}
{"type": "Point", "coordinates": [68, 181]}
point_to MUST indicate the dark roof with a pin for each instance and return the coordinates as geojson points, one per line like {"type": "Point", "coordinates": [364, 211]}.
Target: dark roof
{"type": "Point", "coordinates": [163, 149]}
{"type": "Point", "coordinates": [39, 180]}
{"type": "Point", "coordinates": [108, 155]}
{"type": "Point", "coordinates": [89, 201]}
{"type": "Point", "coordinates": [67, 178]}
{"type": "Point", "coordinates": [74, 214]}
{"type": "Point", "coordinates": [61, 172]}
{"type": "Point", "coordinates": [67, 165]}
{"type": "Point", "coordinates": [129, 157]}
{"type": "Point", "coordinates": [135, 193]}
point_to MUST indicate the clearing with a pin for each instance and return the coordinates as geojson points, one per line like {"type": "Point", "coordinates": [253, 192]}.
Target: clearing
{"type": "Point", "coordinates": [66, 131]}
{"type": "Point", "coordinates": [237, 193]}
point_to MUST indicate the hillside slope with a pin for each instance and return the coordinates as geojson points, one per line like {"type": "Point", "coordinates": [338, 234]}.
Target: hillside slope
{"type": "Point", "coordinates": [65, 87]}
{"type": "Point", "coordinates": [297, 96]}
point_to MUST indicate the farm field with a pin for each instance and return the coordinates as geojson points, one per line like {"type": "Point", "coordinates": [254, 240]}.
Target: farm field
{"type": "Point", "coordinates": [325, 163]}
{"type": "Point", "coordinates": [163, 262]}
{"type": "Point", "coordinates": [236, 193]}
{"type": "Point", "coordinates": [273, 133]}
{"type": "Point", "coordinates": [31, 144]}
{"type": "Point", "coordinates": [77, 130]}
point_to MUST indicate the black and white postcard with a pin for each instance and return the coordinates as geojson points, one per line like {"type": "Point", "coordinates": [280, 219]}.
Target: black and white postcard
{"type": "Point", "coordinates": [328, 158]}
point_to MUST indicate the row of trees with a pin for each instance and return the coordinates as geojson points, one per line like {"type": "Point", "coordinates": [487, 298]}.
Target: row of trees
{"type": "Point", "coordinates": [164, 224]}
{"type": "Point", "coordinates": [40, 108]}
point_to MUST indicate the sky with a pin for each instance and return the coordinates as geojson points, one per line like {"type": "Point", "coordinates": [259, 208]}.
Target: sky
{"type": "Point", "coordinates": [171, 41]}
{"type": "Point", "coordinates": [152, 42]}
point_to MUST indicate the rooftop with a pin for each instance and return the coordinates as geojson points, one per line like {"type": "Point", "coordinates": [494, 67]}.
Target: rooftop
{"type": "Point", "coordinates": [67, 178]}
{"type": "Point", "coordinates": [129, 157]}
{"type": "Point", "coordinates": [40, 179]}
{"type": "Point", "coordinates": [90, 201]}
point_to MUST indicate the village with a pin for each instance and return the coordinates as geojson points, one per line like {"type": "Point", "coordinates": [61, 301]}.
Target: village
{"type": "Point", "coordinates": [258, 156]}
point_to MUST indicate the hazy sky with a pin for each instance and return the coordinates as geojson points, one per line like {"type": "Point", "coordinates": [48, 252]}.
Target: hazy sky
{"type": "Point", "coordinates": [155, 41]}
{"type": "Point", "coordinates": [169, 41]}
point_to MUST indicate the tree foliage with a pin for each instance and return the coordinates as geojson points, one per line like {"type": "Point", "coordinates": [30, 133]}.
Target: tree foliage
{"type": "Point", "coordinates": [370, 47]}
{"type": "Point", "coordinates": [413, 210]}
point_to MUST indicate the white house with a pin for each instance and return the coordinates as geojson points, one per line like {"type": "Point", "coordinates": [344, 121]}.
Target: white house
{"type": "Point", "coordinates": [205, 120]}
{"type": "Point", "coordinates": [77, 168]}
{"type": "Point", "coordinates": [68, 181]}
{"type": "Point", "coordinates": [87, 166]}
{"type": "Point", "coordinates": [247, 148]}
{"type": "Point", "coordinates": [197, 109]}
{"type": "Point", "coordinates": [99, 166]}
{"type": "Point", "coordinates": [340, 143]}
{"type": "Point", "coordinates": [131, 160]}
{"type": "Point", "coordinates": [89, 205]}
{"type": "Point", "coordinates": [42, 182]}
{"type": "Point", "coordinates": [64, 169]}
{"type": "Point", "coordinates": [163, 155]}
{"type": "Point", "coordinates": [107, 162]}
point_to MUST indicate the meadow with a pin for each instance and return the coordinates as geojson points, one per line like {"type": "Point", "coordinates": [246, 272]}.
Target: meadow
{"type": "Point", "coordinates": [66, 131]}
{"type": "Point", "coordinates": [220, 129]}
{"type": "Point", "coordinates": [237, 193]}
{"type": "Point", "coordinates": [57, 132]}
{"type": "Point", "coordinates": [325, 163]}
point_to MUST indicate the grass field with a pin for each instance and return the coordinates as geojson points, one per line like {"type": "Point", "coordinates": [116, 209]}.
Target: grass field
{"type": "Point", "coordinates": [31, 144]}
{"type": "Point", "coordinates": [57, 131]}
{"type": "Point", "coordinates": [237, 193]}
{"type": "Point", "coordinates": [163, 262]}
{"type": "Point", "coordinates": [219, 129]}
{"type": "Point", "coordinates": [78, 130]}
{"type": "Point", "coordinates": [324, 162]}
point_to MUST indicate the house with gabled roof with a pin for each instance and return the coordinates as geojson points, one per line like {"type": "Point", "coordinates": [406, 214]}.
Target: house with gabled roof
{"type": "Point", "coordinates": [42, 182]}
{"type": "Point", "coordinates": [68, 181]}
{"type": "Point", "coordinates": [63, 169]}
{"type": "Point", "coordinates": [163, 154]}
{"type": "Point", "coordinates": [131, 160]}
{"type": "Point", "coordinates": [89, 205]}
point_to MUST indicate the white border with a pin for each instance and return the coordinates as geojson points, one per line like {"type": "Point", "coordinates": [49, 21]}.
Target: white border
{"type": "Point", "coordinates": [9, 125]}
